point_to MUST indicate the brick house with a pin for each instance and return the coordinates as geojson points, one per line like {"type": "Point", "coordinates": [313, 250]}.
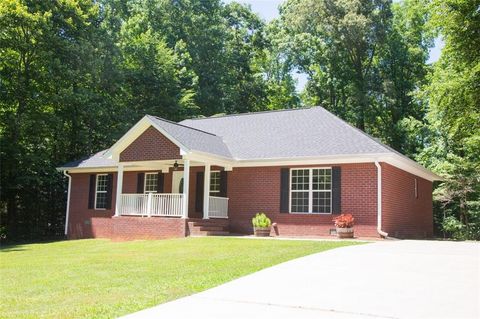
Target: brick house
{"type": "Point", "coordinates": [300, 167]}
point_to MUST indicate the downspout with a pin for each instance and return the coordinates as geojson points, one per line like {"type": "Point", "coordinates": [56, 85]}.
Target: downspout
{"type": "Point", "coordinates": [379, 201]}
{"type": "Point", "coordinates": [68, 201]}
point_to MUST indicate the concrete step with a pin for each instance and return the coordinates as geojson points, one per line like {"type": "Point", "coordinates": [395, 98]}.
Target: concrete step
{"type": "Point", "coordinates": [208, 227]}
{"type": "Point", "coordinates": [209, 233]}
{"type": "Point", "coordinates": [209, 222]}
{"type": "Point", "coordinates": [211, 227]}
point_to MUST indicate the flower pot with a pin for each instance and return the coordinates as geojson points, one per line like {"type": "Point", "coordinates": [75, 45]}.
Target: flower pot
{"type": "Point", "coordinates": [345, 232]}
{"type": "Point", "coordinates": [262, 231]}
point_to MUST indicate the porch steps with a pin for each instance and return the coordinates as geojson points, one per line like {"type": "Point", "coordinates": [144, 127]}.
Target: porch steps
{"type": "Point", "coordinates": [208, 227]}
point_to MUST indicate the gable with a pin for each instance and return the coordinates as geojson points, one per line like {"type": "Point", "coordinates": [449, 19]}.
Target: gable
{"type": "Point", "coordinates": [149, 146]}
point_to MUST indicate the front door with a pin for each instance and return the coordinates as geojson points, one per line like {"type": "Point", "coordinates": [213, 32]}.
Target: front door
{"type": "Point", "coordinates": [177, 182]}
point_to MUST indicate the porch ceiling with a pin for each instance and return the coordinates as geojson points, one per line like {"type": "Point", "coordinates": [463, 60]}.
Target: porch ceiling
{"type": "Point", "coordinates": [163, 164]}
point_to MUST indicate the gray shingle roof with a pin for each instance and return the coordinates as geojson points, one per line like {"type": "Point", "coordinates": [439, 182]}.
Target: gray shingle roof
{"type": "Point", "coordinates": [96, 160]}
{"type": "Point", "coordinates": [288, 134]}
{"type": "Point", "coordinates": [193, 138]}
{"type": "Point", "coordinates": [297, 133]}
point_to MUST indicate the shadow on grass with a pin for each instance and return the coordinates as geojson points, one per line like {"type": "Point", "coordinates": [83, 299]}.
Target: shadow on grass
{"type": "Point", "coordinates": [8, 246]}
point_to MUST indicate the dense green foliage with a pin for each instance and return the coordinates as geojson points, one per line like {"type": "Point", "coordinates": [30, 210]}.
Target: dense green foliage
{"type": "Point", "coordinates": [364, 60]}
{"type": "Point", "coordinates": [105, 279]}
{"type": "Point", "coordinates": [453, 93]}
{"type": "Point", "coordinates": [76, 74]}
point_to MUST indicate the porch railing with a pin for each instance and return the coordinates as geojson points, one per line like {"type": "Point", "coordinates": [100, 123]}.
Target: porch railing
{"type": "Point", "coordinates": [218, 207]}
{"type": "Point", "coordinates": [152, 204]}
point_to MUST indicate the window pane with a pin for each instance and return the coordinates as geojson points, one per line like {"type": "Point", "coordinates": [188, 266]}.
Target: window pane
{"type": "Point", "coordinates": [101, 200]}
{"type": "Point", "coordinates": [322, 179]}
{"type": "Point", "coordinates": [321, 202]}
{"type": "Point", "coordinates": [215, 182]}
{"type": "Point", "coordinates": [299, 202]}
{"type": "Point", "coordinates": [151, 183]}
{"type": "Point", "coordinates": [300, 179]}
{"type": "Point", "coordinates": [101, 183]}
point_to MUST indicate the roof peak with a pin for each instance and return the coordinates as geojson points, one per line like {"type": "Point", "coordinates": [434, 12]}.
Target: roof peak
{"type": "Point", "coordinates": [185, 126]}
{"type": "Point", "coordinates": [252, 113]}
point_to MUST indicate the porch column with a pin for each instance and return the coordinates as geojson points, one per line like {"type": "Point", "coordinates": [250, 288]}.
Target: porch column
{"type": "Point", "coordinates": [118, 199]}
{"type": "Point", "coordinates": [206, 191]}
{"type": "Point", "coordinates": [186, 186]}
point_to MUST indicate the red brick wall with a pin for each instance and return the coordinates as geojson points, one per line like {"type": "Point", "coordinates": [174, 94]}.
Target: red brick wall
{"type": "Point", "coordinates": [252, 190]}
{"type": "Point", "coordinates": [84, 222]}
{"type": "Point", "coordinates": [91, 223]}
{"type": "Point", "coordinates": [404, 215]}
{"type": "Point", "coordinates": [129, 228]}
{"type": "Point", "coordinates": [151, 145]}
{"type": "Point", "coordinates": [257, 189]}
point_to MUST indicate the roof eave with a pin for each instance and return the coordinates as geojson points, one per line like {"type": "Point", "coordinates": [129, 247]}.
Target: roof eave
{"type": "Point", "coordinates": [411, 166]}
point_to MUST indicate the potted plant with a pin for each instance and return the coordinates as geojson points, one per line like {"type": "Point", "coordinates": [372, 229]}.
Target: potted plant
{"type": "Point", "coordinates": [344, 225]}
{"type": "Point", "coordinates": [261, 225]}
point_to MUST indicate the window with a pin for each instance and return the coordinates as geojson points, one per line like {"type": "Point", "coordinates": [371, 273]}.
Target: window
{"type": "Point", "coordinates": [151, 182]}
{"type": "Point", "coordinates": [214, 183]}
{"type": "Point", "coordinates": [101, 191]}
{"type": "Point", "coordinates": [311, 190]}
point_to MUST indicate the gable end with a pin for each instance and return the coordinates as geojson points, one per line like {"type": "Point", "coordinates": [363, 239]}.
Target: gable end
{"type": "Point", "coordinates": [149, 146]}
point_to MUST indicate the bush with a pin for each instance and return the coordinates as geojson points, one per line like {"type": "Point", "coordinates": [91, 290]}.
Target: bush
{"type": "Point", "coordinates": [459, 231]}
{"type": "Point", "coordinates": [261, 221]}
{"type": "Point", "coordinates": [344, 221]}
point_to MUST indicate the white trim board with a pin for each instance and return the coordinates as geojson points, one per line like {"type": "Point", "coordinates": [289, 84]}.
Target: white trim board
{"type": "Point", "coordinates": [398, 161]}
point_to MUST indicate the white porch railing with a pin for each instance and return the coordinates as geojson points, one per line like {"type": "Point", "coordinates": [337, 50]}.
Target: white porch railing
{"type": "Point", "coordinates": [152, 204]}
{"type": "Point", "coordinates": [218, 207]}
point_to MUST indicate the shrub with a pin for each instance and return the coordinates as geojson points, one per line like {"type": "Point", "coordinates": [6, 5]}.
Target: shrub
{"type": "Point", "coordinates": [261, 221]}
{"type": "Point", "coordinates": [344, 221]}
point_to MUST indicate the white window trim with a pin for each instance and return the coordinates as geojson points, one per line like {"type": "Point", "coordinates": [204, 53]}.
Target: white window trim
{"type": "Point", "coordinates": [97, 191]}
{"type": "Point", "coordinates": [210, 192]}
{"type": "Point", "coordinates": [310, 191]}
{"type": "Point", "coordinates": [145, 184]}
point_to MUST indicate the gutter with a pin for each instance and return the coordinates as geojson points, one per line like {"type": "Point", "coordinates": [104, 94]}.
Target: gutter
{"type": "Point", "coordinates": [379, 201]}
{"type": "Point", "coordinates": [68, 200]}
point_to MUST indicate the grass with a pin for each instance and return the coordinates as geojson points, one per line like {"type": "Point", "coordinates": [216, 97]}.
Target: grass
{"type": "Point", "coordinates": [104, 279]}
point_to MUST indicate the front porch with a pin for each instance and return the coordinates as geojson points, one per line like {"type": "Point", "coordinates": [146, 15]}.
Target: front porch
{"type": "Point", "coordinates": [177, 188]}
{"type": "Point", "coordinates": [168, 205]}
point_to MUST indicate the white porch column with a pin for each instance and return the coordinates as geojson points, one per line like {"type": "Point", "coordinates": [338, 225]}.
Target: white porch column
{"type": "Point", "coordinates": [186, 186]}
{"type": "Point", "coordinates": [206, 191]}
{"type": "Point", "coordinates": [118, 199]}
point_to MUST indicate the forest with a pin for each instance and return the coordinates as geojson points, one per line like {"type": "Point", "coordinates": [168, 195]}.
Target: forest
{"type": "Point", "coordinates": [75, 75]}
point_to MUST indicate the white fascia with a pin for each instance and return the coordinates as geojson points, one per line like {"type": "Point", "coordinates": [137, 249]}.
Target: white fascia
{"type": "Point", "coordinates": [410, 166]}
{"type": "Point", "coordinates": [398, 161]}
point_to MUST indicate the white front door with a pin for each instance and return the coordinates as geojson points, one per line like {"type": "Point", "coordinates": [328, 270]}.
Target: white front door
{"type": "Point", "coordinates": [177, 182]}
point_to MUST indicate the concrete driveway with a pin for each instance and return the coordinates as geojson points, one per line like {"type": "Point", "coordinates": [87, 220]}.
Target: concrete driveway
{"type": "Point", "coordinates": [390, 279]}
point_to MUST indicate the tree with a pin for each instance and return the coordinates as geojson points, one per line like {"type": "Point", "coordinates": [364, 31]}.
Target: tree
{"type": "Point", "coordinates": [338, 43]}
{"type": "Point", "coordinates": [453, 95]}
{"type": "Point", "coordinates": [365, 60]}
{"type": "Point", "coordinates": [50, 82]}
{"type": "Point", "coordinates": [401, 70]}
{"type": "Point", "coordinates": [277, 68]}
{"type": "Point", "coordinates": [76, 74]}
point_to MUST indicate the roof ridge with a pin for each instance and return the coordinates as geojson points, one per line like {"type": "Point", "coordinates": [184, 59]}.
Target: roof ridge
{"type": "Point", "coordinates": [362, 132]}
{"type": "Point", "coordinates": [182, 125]}
{"type": "Point", "coordinates": [249, 113]}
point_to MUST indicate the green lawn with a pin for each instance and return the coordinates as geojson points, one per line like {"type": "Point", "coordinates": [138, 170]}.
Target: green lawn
{"type": "Point", "coordinates": [104, 279]}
